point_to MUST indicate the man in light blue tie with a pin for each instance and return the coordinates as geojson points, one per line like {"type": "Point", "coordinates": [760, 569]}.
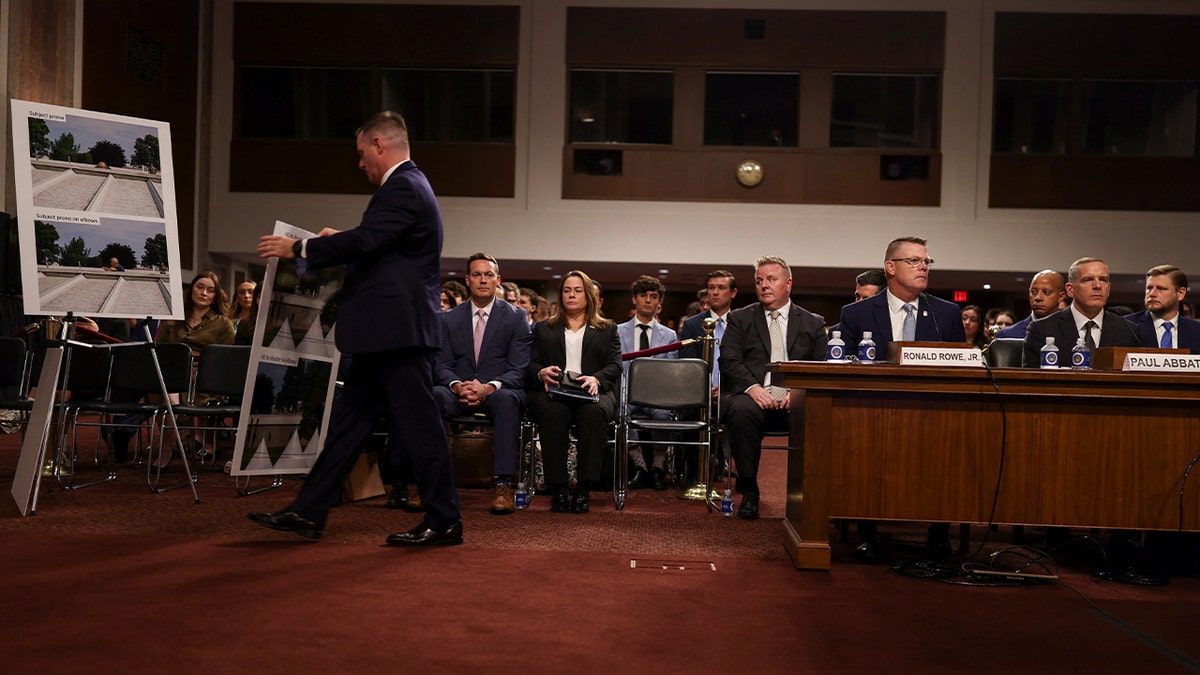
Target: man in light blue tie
{"type": "Point", "coordinates": [1161, 324]}
{"type": "Point", "coordinates": [903, 312]}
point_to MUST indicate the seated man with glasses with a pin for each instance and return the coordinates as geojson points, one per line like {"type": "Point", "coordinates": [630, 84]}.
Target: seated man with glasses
{"type": "Point", "coordinates": [904, 312]}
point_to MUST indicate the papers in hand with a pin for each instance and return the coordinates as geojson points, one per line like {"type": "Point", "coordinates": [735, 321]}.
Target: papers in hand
{"type": "Point", "coordinates": [573, 393]}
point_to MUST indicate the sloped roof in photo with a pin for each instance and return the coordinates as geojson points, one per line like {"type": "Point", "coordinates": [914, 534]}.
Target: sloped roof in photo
{"type": "Point", "coordinates": [80, 187]}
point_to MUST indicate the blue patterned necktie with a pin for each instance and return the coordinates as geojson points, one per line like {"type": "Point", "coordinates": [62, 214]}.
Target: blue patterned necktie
{"type": "Point", "coordinates": [909, 332]}
{"type": "Point", "coordinates": [1166, 338]}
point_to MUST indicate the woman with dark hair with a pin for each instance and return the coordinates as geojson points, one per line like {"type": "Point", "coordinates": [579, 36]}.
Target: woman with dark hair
{"type": "Point", "coordinates": [205, 322]}
{"type": "Point", "coordinates": [576, 339]}
{"type": "Point", "coordinates": [204, 316]}
{"type": "Point", "coordinates": [972, 318]}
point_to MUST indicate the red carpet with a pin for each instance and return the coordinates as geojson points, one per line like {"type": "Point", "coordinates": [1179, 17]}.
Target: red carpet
{"type": "Point", "coordinates": [115, 579]}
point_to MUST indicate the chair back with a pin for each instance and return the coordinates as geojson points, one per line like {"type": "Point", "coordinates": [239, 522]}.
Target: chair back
{"type": "Point", "coordinates": [1005, 352]}
{"type": "Point", "coordinates": [223, 369]}
{"type": "Point", "coordinates": [12, 363]}
{"type": "Point", "coordinates": [671, 384]}
{"type": "Point", "coordinates": [133, 369]}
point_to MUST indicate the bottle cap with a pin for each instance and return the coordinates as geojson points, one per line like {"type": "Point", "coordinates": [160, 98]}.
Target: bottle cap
{"type": "Point", "coordinates": [866, 334]}
{"type": "Point", "coordinates": [837, 333]}
{"type": "Point", "coordinates": [1049, 340]}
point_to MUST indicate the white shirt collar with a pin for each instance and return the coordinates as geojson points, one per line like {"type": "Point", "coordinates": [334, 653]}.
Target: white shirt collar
{"type": "Point", "coordinates": [388, 174]}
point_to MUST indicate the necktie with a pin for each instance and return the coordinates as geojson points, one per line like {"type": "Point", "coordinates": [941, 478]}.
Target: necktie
{"type": "Point", "coordinates": [718, 333]}
{"type": "Point", "coordinates": [644, 340]}
{"type": "Point", "coordinates": [1166, 338]}
{"type": "Point", "coordinates": [908, 332]}
{"type": "Point", "coordinates": [480, 326]}
{"type": "Point", "coordinates": [778, 352]}
{"type": "Point", "coordinates": [1087, 336]}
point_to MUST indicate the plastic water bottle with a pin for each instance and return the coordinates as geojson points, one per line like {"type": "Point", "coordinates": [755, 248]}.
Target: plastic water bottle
{"type": "Point", "coordinates": [1049, 354]}
{"type": "Point", "coordinates": [866, 349]}
{"type": "Point", "coordinates": [1081, 356]}
{"type": "Point", "coordinates": [727, 503]}
{"type": "Point", "coordinates": [836, 349]}
{"type": "Point", "coordinates": [522, 497]}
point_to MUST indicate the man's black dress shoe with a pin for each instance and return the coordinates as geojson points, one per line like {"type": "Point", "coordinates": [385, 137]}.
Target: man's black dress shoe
{"type": "Point", "coordinates": [748, 510]}
{"type": "Point", "coordinates": [660, 479]}
{"type": "Point", "coordinates": [639, 479]}
{"type": "Point", "coordinates": [580, 503]}
{"type": "Point", "coordinates": [287, 521]}
{"type": "Point", "coordinates": [422, 535]}
{"type": "Point", "coordinates": [868, 551]}
{"type": "Point", "coordinates": [398, 497]}
{"type": "Point", "coordinates": [560, 502]}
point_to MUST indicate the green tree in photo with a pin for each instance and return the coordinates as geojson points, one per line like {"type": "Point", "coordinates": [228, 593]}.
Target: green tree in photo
{"type": "Point", "coordinates": [39, 137]}
{"type": "Point", "coordinates": [122, 252]}
{"type": "Point", "coordinates": [46, 239]}
{"type": "Point", "coordinates": [108, 152]}
{"type": "Point", "coordinates": [145, 152]}
{"type": "Point", "coordinates": [77, 254]}
{"type": "Point", "coordinates": [155, 252]}
{"type": "Point", "coordinates": [64, 148]}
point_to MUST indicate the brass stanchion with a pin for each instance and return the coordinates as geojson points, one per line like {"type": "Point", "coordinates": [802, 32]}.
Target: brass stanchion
{"type": "Point", "coordinates": [702, 490]}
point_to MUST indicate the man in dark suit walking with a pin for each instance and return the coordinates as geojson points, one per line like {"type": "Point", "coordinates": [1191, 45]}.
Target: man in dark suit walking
{"type": "Point", "coordinates": [1089, 286]}
{"type": "Point", "coordinates": [904, 312]}
{"type": "Point", "coordinates": [1161, 325]}
{"type": "Point", "coordinates": [768, 331]}
{"type": "Point", "coordinates": [388, 321]}
{"type": "Point", "coordinates": [481, 369]}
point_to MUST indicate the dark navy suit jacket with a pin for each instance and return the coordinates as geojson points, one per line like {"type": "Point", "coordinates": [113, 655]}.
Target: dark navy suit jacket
{"type": "Point", "coordinates": [1117, 332]}
{"type": "Point", "coordinates": [1017, 330]}
{"type": "Point", "coordinates": [503, 356]}
{"type": "Point", "coordinates": [746, 346]}
{"type": "Point", "coordinates": [938, 320]}
{"type": "Point", "coordinates": [1187, 331]}
{"type": "Point", "coordinates": [390, 293]}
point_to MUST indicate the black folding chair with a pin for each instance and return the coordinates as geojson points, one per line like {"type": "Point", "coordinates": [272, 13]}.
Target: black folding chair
{"type": "Point", "coordinates": [669, 384]}
{"type": "Point", "coordinates": [133, 378]}
{"type": "Point", "coordinates": [220, 375]}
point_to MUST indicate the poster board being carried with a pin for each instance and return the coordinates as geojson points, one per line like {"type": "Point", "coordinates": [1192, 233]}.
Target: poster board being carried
{"type": "Point", "coordinates": [293, 368]}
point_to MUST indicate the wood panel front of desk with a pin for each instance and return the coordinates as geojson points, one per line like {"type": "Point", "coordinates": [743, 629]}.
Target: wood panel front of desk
{"type": "Point", "coordinates": [1078, 448]}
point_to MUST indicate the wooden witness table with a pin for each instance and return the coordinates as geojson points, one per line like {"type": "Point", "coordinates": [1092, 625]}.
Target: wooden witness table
{"type": "Point", "coordinates": [1082, 449]}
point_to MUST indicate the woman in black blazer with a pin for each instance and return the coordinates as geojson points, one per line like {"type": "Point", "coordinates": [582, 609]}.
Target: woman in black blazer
{"type": "Point", "coordinates": [577, 338]}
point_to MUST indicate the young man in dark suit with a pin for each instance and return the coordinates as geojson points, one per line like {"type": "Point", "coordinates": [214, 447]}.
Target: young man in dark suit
{"type": "Point", "coordinates": [1161, 324]}
{"type": "Point", "coordinates": [388, 321]}
{"type": "Point", "coordinates": [904, 312]}
{"type": "Point", "coordinates": [770, 330]}
{"type": "Point", "coordinates": [1089, 286]}
{"type": "Point", "coordinates": [481, 368]}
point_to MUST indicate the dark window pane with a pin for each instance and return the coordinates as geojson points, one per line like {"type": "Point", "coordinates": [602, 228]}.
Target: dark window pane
{"type": "Point", "coordinates": [1140, 118]}
{"type": "Point", "coordinates": [884, 111]}
{"type": "Point", "coordinates": [621, 106]}
{"type": "Point", "coordinates": [1031, 116]}
{"type": "Point", "coordinates": [452, 105]}
{"type": "Point", "coordinates": [305, 103]}
{"type": "Point", "coordinates": [751, 108]}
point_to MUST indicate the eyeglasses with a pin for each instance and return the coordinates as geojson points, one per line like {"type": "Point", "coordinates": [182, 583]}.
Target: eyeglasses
{"type": "Point", "coordinates": [914, 262]}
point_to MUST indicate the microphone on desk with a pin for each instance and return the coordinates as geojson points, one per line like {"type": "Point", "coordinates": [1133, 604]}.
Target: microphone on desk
{"type": "Point", "coordinates": [932, 314]}
{"type": "Point", "coordinates": [1137, 341]}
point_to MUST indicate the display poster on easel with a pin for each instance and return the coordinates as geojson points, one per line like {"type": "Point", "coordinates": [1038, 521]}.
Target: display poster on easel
{"type": "Point", "coordinates": [96, 214]}
{"type": "Point", "coordinates": [293, 368]}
